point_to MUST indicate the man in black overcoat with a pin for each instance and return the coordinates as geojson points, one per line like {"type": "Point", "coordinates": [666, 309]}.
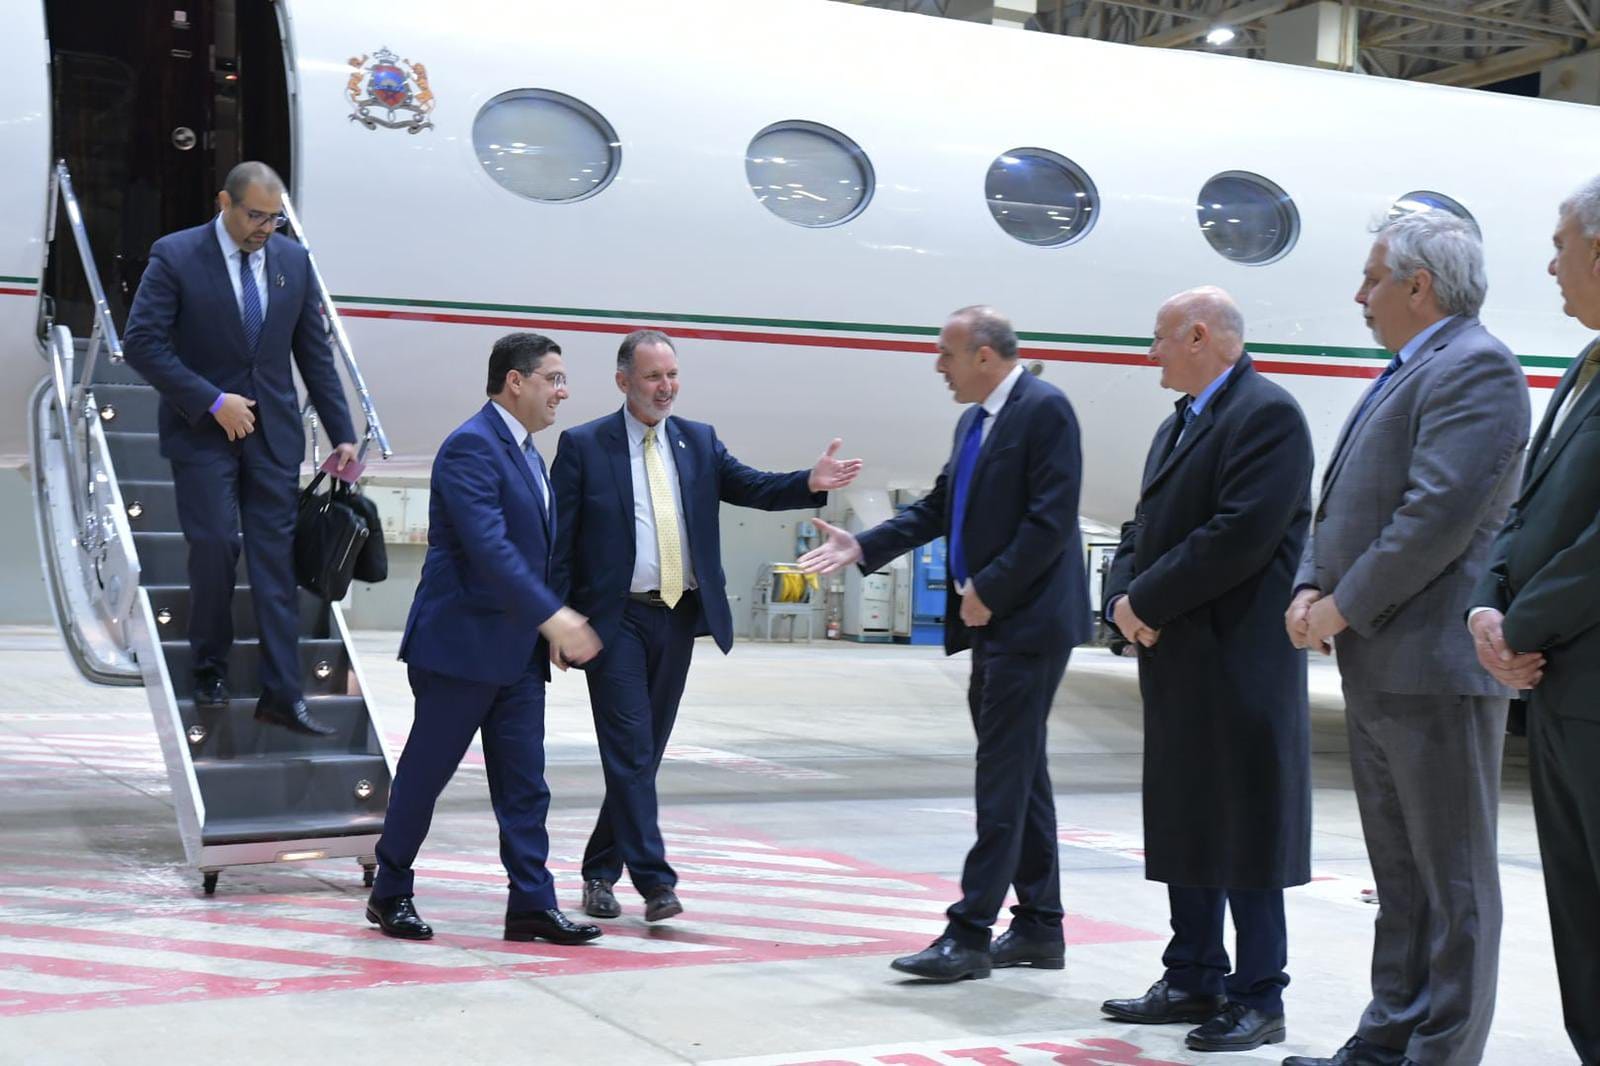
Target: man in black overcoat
{"type": "Point", "coordinates": [1199, 584]}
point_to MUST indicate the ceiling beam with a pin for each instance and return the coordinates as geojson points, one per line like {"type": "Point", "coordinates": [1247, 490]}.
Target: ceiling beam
{"type": "Point", "coordinates": [1233, 16]}
{"type": "Point", "coordinates": [1512, 64]}
{"type": "Point", "coordinates": [1428, 12]}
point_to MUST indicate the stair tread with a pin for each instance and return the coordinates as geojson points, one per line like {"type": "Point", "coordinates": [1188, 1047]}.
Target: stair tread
{"type": "Point", "coordinates": [256, 760]}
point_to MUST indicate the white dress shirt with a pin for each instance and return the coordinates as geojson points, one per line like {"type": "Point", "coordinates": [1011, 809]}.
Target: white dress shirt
{"type": "Point", "coordinates": [992, 403]}
{"type": "Point", "coordinates": [258, 268]}
{"type": "Point", "coordinates": [647, 553]}
{"type": "Point", "coordinates": [996, 400]}
{"type": "Point", "coordinates": [520, 434]}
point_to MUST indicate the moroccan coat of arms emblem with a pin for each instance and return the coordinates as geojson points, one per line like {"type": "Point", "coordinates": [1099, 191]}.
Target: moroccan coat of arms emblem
{"type": "Point", "coordinates": [385, 90]}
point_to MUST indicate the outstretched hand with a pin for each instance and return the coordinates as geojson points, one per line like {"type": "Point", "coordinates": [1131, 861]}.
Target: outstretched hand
{"type": "Point", "coordinates": [831, 472]}
{"type": "Point", "coordinates": [839, 550]}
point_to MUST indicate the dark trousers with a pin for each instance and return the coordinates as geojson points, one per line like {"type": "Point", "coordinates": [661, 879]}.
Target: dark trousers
{"type": "Point", "coordinates": [634, 688]}
{"type": "Point", "coordinates": [1009, 696]}
{"type": "Point", "coordinates": [1427, 780]}
{"type": "Point", "coordinates": [214, 493]}
{"type": "Point", "coordinates": [448, 711]}
{"type": "Point", "coordinates": [1197, 961]}
{"type": "Point", "coordinates": [1563, 754]}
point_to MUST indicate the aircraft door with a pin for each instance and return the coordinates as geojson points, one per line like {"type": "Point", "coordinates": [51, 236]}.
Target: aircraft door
{"type": "Point", "coordinates": [151, 103]}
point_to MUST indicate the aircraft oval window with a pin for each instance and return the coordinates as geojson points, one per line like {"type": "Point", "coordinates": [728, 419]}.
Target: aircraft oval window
{"type": "Point", "coordinates": [1247, 218]}
{"type": "Point", "coordinates": [546, 146]}
{"type": "Point", "coordinates": [808, 174]}
{"type": "Point", "coordinates": [1040, 197]}
{"type": "Point", "coordinates": [1424, 200]}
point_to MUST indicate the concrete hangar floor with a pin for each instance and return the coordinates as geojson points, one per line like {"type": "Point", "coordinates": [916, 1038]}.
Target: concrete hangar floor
{"type": "Point", "coordinates": [817, 804]}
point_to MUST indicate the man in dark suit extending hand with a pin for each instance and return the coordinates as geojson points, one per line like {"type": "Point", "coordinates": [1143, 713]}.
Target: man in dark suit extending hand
{"type": "Point", "coordinates": [1017, 595]}
{"type": "Point", "coordinates": [639, 551]}
{"type": "Point", "coordinates": [212, 326]}
{"type": "Point", "coordinates": [1198, 585]}
{"type": "Point", "coordinates": [1536, 625]}
{"type": "Point", "coordinates": [478, 641]}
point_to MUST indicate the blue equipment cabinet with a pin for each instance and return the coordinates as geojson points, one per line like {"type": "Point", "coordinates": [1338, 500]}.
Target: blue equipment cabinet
{"type": "Point", "coordinates": [927, 593]}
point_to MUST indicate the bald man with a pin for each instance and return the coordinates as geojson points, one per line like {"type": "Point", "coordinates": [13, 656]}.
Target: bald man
{"type": "Point", "coordinates": [1198, 586]}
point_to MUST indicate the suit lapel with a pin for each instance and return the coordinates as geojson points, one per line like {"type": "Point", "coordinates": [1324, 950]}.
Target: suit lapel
{"type": "Point", "coordinates": [681, 462]}
{"type": "Point", "coordinates": [277, 302]}
{"type": "Point", "coordinates": [217, 268]}
{"type": "Point", "coordinates": [518, 458]}
{"type": "Point", "coordinates": [1435, 344]}
{"type": "Point", "coordinates": [1002, 421]}
{"type": "Point", "coordinates": [1540, 457]}
{"type": "Point", "coordinates": [1199, 427]}
{"type": "Point", "coordinates": [617, 449]}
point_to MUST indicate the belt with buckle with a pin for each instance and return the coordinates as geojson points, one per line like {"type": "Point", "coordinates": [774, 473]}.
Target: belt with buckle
{"type": "Point", "coordinates": [653, 597]}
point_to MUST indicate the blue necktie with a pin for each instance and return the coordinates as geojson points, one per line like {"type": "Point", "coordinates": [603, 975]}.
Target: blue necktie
{"type": "Point", "coordinates": [542, 480]}
{"type": "Point", "coordinates": [249, 302]}
{"type": "Point", "coordinates": [1377, 387]}
{"type": "Point", "coordinates": [965, 461]}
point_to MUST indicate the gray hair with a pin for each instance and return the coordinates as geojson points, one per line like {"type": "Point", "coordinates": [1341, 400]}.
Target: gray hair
{"type": "Point", "coordinates": [1217, 309]}
{"type": "Point", "coordinates": [988, 328]}
{"type": "Point", "coordinates": [1585, 206]}
{"type": "Point", "coordinates": [249, 173]}
{"type": "Point", "coordinates": [632, 341]}
{"type": "Point", "coordinates": [1448, 248]}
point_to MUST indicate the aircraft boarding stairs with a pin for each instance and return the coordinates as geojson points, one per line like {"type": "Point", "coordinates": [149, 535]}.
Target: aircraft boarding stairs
{"type": "Point", "coordinates": [116, 561]}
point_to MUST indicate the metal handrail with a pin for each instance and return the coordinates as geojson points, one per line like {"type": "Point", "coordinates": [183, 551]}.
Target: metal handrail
{"type": "Point", "coordinates": [341, 340]}
{"type": "Point", "coordinates": [72, 395]}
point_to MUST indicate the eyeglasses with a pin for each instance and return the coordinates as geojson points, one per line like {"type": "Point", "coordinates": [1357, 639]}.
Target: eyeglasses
{"type": "Point", "coordinates": [256, 218]}
{"type": "Point", "coordinates": [556, 379]}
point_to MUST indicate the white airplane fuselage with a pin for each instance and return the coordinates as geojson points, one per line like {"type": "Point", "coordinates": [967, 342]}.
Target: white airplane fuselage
{"type": "Point", "coordinates": [791, 335]}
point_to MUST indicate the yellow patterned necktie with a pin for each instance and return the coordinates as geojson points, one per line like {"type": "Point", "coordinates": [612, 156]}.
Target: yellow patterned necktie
{"type": "Point", "coordinates": [668, 543]}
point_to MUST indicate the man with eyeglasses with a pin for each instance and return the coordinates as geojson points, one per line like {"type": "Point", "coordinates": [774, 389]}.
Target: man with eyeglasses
{"type": "Point", "coordinates": [217, 315]}
{"type": "Point", "coordinates": [483, 628]}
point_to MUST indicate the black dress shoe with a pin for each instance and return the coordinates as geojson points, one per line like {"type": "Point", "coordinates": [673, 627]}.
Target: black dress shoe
{"type": "Point", "coordinates": [661, 903]}
{"type": "Point", "coordinates": [1014, 949]}
{"type": "Point", "coordinates": [396, 916]}
{"type": "Point", "coordinates": [295, 717]}
{"type": "Point", "coordinates": [210, 690]}
{"type": "Point", "coordinates": [549, 925]}
{"type": "Point", "coordinates": [598, 899]}
{"type": "Point", "coordinates": [945, 960]}
{"type": "Point", "coordinates": [1237, 1028]}
{"type": "Point", "coordinates": [1163, 1005]}
{"type": "Point", "coordinates": [1356, 1052]}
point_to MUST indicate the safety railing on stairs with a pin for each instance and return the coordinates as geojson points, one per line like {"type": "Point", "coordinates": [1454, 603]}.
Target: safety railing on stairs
{"type": "Point", "coordinates": [94, 572]}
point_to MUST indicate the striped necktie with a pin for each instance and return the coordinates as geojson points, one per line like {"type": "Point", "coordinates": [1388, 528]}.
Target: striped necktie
{"type": "Point", "coordinates": [249, 302]}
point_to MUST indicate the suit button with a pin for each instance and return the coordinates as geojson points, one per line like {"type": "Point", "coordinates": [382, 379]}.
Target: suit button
{"type": "Point", "coordinates": [1321, 515]}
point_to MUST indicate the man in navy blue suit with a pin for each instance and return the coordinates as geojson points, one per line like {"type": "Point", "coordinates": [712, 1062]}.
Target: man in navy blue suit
{"type": "Point", "coordinates": [1017, 595]}
{"type": "Point", "coordinates": [638, 551]}
{"type": "Point", "coordinates": [212, 326]}
{"type": "Point", "coordinates": [478, 643]}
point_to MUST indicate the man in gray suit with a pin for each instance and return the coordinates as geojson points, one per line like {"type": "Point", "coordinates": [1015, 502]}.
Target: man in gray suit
{"type": "Point", "coordinates": [1536, 620]}
{"type": "Point", "coordinates": [1413, 494]}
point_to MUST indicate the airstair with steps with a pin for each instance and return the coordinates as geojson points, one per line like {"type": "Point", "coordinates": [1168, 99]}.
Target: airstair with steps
{"type": "Point", "coordinates": [116, 565]}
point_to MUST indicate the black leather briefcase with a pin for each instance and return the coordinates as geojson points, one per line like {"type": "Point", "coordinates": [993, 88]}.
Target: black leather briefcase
{"type": "Point", "coordinates": [329, 535]}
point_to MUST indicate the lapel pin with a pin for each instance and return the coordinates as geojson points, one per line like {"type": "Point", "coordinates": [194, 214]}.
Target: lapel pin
{"type": "Point", "coordinates": [278, 281]}
{"type": "Point", "coordinates": [681, 444]}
